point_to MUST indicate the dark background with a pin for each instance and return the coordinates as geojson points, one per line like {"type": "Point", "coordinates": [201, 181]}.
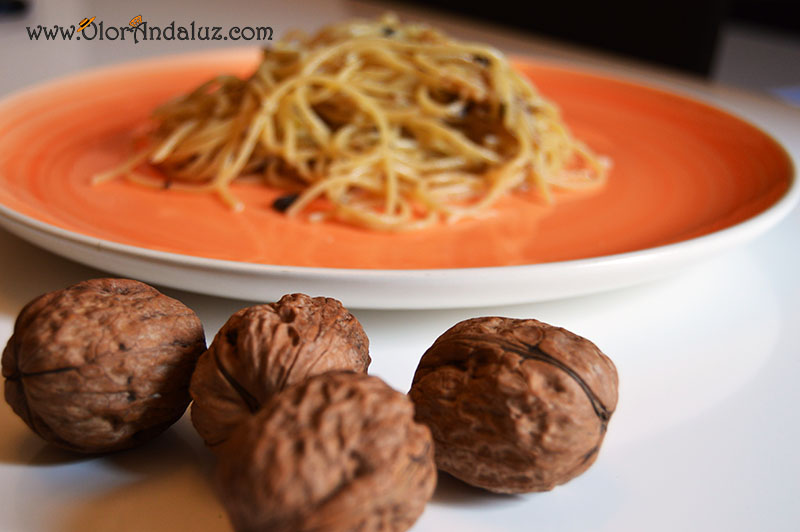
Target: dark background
{"type": "Point", "coordinates": [681, 34]}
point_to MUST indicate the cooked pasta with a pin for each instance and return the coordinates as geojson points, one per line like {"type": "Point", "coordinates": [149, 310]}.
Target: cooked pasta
{"type": "Point", "coordinates": [379, 124]}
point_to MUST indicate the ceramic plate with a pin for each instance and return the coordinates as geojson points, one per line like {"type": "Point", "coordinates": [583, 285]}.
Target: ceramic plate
{"type": "Point", "coordinates": [687, 180]}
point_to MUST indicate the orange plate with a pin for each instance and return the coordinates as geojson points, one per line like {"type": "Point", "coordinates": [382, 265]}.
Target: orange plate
{"type": "Point", "coordinates": [681, 169]}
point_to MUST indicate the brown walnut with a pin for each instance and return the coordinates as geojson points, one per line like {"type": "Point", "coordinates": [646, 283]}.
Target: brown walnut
{"type": "Point", "coordinates": [102, 365]}
{"type": "Point", "coordinates": [264, 348]}
{"type": "Point", "coordinates": [514, 405]}
{"type": "Point", "coordinates": [340, 451]}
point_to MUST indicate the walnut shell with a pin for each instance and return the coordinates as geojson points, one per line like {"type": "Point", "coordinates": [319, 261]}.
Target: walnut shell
{"type": "Point", "coordinates": [514, 405]}
{"type": "Point", "coordinates": [340, 451]}
{"type": "Point", "coordinates": [264, 348]}
{"type": "Point", "coordinates": [102, 365]}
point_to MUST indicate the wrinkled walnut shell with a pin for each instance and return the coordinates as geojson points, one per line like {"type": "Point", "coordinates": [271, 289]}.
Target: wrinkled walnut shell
{"type": "Point", "coordinates": [340, 451]}
{"type": "Point", "coordinates": [102, 365]}
{"type": "Point", "coordinates": [264, 348]}
{"type": "Point", "coordinates": [514, 405]}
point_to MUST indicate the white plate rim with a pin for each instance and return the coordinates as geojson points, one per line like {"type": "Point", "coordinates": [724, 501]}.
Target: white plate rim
{"type": "Point", "coordinates": [605, 272]}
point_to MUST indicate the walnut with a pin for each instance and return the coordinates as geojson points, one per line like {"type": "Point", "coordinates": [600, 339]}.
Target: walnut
{"type": "Point", "coordinates": [340, 451]}
{"type": "Point", "coordinates": [514, 405]}
{"type": "Point", "coordinates": [102, 365]}
{"type": "Point", "coordinates": [262, 349]}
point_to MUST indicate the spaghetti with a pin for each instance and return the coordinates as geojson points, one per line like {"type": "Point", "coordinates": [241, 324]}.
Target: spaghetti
{"type": "Point", "coordinates": [379, 124]}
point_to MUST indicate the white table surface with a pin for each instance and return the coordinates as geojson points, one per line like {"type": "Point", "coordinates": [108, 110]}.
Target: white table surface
{"type": "Point", "coordinates": [706, 433]}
